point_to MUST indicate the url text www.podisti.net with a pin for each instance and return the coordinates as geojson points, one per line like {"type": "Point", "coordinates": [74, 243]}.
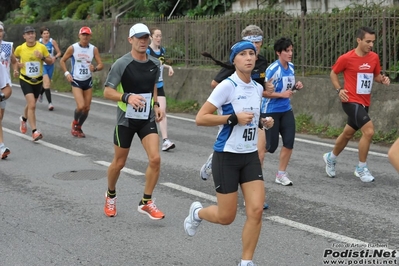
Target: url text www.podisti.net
{"type": "Point", "coordinates": [360, 257]}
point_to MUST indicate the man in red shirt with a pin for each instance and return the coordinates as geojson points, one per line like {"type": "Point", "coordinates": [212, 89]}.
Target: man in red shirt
{"type": "Point", "coordinates": [360, 67]}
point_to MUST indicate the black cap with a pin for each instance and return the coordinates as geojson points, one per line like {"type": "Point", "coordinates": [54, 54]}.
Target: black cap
{"type": "Point", "coordinates": [29, 29]}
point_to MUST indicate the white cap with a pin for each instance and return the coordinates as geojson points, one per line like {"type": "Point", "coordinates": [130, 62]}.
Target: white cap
{"type": "Point", "coordinates": [138, 30]}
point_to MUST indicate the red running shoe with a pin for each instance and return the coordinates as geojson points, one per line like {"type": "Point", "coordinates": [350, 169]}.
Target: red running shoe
{"type": "Point", "coordinates": [110, 206]}
{"type": "Point", "coordinates": [151, 210]}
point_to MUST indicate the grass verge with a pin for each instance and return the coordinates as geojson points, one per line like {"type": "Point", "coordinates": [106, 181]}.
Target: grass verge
{"type": "Point", "coordinates": [305, 125]}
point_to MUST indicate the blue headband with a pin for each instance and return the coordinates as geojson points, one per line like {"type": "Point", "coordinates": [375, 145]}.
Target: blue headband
{"type": "Point", "coordinates": [239, 47]}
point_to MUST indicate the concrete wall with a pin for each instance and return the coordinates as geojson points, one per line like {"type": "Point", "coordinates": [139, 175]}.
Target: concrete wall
{"type": "Point", "coordinates": [317, 98]}
{"type": "Point", "coordinates": [294, 6]}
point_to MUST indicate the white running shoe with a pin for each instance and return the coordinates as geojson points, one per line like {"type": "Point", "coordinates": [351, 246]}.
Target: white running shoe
{"type": "Point", "coordinates": [4, 152]}
{"type": "Point", "coordinates": [330, 164]}
{"type": "Point", "coordinates": [50, 107]}
{"type": "Point", "coordinates": [167, 145]}
{"type": "Point", "coordinates": [190, 224]}
{"type": "Point", "coordinates": [206, 169]}
{"type": "Point", "coordinates": [364, 174]}
{"type": "Point", "coordinates": [248, 264]}
{"type": "Point", "coordinates": [40, 98]}
{"type": "Point", "coordinates": [283, 179]}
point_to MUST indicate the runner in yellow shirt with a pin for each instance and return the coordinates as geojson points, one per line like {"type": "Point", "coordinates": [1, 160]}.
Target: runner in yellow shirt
{"type": "Point", "coordinates": [31, 55]}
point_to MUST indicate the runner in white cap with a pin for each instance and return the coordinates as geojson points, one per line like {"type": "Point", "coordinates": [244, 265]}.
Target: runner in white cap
{"type": "Point", "coordinates": [132, 83]}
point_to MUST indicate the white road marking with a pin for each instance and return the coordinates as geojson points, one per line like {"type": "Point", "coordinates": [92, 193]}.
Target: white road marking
{"type": "Point", "coordinates": [41, 142]}
{"type": "Point", "coordinates": [323, 233]}
{"type": "Point", "coordinates": [124, 169]}
{"type": "Point", "coordinates": [181, 118]}
{"type": "Point", "coordinates": [93, 101]}
{"type": "Point", "coordinates": [332, 146]}
{"type": "Point", "coordinates": [190, 191]}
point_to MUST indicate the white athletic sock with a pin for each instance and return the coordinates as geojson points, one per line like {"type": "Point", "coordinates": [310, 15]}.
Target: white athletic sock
{"type": "Point", "coordinates": [196, 217]}
{"type": "Point", "coordinates": [245, 262]}
{"type": "Point", "coordinates": [361, 165]}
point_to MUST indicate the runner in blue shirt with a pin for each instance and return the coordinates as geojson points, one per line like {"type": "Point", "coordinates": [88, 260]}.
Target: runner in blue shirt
{"type": "Point", "coordinates": [48, 70]}
{"type": "Point", "coordinates": [156, 50]}
{"type": "Point", "coordinates": [278, 106]}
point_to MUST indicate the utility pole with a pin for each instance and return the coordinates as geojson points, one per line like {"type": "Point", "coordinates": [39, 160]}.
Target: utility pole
{"type": "Point", "coordinates": [173, 9]}
{"type": "Point", "coordinates": [304, 8]}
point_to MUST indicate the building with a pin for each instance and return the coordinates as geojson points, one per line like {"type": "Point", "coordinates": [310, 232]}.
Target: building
{"type": "Point", "coordinates": [294, 6]}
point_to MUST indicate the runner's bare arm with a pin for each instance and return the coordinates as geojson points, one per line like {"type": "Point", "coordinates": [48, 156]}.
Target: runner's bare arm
{"type": "Point", "coordinates": [98, 61]}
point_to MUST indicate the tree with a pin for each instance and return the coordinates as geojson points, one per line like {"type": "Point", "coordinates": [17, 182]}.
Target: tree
{"type": "Point", "coordinates": [8, 6]}
{"type": "Point", "coordinates": [31, 11]}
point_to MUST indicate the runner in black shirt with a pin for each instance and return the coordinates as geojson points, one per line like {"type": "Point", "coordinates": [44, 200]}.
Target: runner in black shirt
{"type": "Point", "coordinates": [132, 83]}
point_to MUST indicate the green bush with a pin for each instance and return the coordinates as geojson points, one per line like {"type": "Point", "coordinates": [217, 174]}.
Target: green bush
{"type": "Point", "coordinates": [55, 14]}
{"type": "Point", "coordinates": [98, 8]}
{"type": "Point", "coordinates": [70, 9]}
{"type": "Point", "coordinates": [82, 11]}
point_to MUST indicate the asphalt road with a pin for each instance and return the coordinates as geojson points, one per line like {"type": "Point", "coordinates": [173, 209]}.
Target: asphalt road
{"type": "Point", "coordinates": [52, 198]}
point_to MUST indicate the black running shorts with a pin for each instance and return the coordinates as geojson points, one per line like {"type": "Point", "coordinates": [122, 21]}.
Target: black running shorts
{"type": "Point", "coordinates": [84, 85]}
{"type": "Point", "coordinates": [229, 170]}
{"type": "Point", "coordinates": [123, 136]}
{"type": "Point", "coordinates": [284, 125]}
{"type": "Point", "coordinates": [29, 88]}
{"type": "Point", "coordinates": [161, 91]}
{"type": "Point", "coordinates": [357, 115]}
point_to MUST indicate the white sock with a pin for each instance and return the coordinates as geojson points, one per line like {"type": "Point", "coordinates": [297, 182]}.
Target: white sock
{"type": "Point", "coordinates": [333, 156]}
{"type": "Point", "coordinates": [196, 217]}
{"type": "Point", "coordinates": [245, 262]}
{"type": "Point", "coordinates": [361, 165]}
{"type": "Point", "coordinates": [1, 144]}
